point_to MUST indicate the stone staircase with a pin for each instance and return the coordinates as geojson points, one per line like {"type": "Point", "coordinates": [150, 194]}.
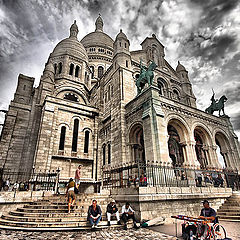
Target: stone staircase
{"type": "Point", "coordinates": [50, 214]}
{"type": "Point", "coordinates": [230, 210]}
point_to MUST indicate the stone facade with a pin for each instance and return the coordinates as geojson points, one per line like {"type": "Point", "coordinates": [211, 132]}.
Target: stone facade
{"type": "Point", "coordinates": [86, 111]}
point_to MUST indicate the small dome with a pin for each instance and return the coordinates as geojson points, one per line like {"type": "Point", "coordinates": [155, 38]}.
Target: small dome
{"type": "Point", "coordinates": [180, 67]}
{"type": "Point", "coordinates": [71, 46]}
{"type": "Point", "coordinates": [121, 35]}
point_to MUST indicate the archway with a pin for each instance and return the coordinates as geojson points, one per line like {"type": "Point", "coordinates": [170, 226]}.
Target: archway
{"type": "Point", "coordinates": [199, 148]}
{"type": "Point", "coordinates": [222, 149]}
{"type": "Point", "coordinates": [136, 140]}
{"type": "Point", "coordinates": [174, 147]}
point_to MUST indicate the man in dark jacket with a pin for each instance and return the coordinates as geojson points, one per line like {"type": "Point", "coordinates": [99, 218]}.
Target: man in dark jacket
{"type": "Point", "coordinates": [94, 214]}
{"type": "Point", "coordinates": [112, 210]}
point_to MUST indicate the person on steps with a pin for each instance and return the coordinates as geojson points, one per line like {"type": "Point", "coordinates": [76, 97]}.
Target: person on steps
{"type": "Point", "coordinates": [128, 213]}
{"type": "Point", "coordinates": [94, 214]}
{"type": "Point", "coordinates": [70, 194]}
{"type": "Point", "coordinates": [112, 210]}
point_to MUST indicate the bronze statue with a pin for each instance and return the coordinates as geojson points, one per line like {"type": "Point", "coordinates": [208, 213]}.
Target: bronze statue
{"type": "Point", "coordinates": [146, 76]}
{"type": "Point", "coordinates": [216, 105]}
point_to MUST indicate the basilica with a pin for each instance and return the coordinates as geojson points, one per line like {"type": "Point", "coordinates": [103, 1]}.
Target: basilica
{"type": "Point", "coordinates": [87, 110]}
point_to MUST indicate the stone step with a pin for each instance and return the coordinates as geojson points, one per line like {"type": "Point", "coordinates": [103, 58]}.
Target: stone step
{"type": "Point", "coordinates": [53, 229]}
{"type": "Point", "coordinates": [227, 213]}
{"type": "Point", "coordinates": [46, 214]}
{"type": "Point", "coordinates": [233, 208]}
{"type": "Point", "coordinates": [66, 218]}
{"type": "Point", "coordinates": [50, 224]}
{"type": "Point", "coordinates": [229, 217]}
{"type": "Point", "coordinates": [50, 210]}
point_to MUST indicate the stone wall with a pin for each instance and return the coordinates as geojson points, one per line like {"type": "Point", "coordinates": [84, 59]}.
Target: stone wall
{"type": "Point", "coordinates": [152, 202]}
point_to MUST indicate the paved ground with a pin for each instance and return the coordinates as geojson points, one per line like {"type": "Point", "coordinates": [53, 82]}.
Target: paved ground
{"type": "Point", "coordinates": [232, 228]}
{"type": "Point", "coordinates": [106, 234]}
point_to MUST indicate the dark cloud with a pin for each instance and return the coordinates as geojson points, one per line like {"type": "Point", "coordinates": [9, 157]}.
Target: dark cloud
{"type": "Point", "coordinates": [215, 10]}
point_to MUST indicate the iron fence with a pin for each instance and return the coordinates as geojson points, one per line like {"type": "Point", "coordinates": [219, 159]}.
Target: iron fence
{"type": "Point", "coordinates": [28, 179]}
{"type": "Point", "coordinates": [164, 175]}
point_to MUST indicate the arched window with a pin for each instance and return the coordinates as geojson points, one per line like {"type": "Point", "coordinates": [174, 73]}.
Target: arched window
{"type": "Point", "coordinates": [55, 68]}
{"type": "Point", "coordinates": [104, 154]}
{"type": "Point", "coordinates": [71, 69]}
{"type": "Point", "coordinates": [161, 86]}
{"type": "Point", "coordinates": [176, 95]}
{"type": "Point", "coordinates": [62, 138]}
{"type": "Point", "coordinates": [109, 153]}
{"type": "Point", "coordinates": [100, 71]}
{"type": "Point", "coordinates": [86, 142]}
{"type": "Point", "coordinates": [92, 71]}
{"type": "Point", "coordinates": [71, 97]}
{"type": "Point", "coordinates": [60, 68]}
{"type": "Point", "coordinates": [109, 92]}
{"type": "Point", "coordinates": [127, 63]}
{"type": "Point", "coordinates": [75, 135]}
{"type": "Point", "coordinates": [77, 71]}
{"type": "Point", "coordinates": [125, 45]}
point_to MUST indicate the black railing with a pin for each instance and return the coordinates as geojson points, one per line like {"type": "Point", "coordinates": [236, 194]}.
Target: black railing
{"type": "Point", "coordinates": [28, 179]}
{"type": "Point", "coordinates": [165, 175]}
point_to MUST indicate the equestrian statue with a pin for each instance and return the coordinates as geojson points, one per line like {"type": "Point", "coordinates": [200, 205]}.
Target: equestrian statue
{"type": "Point", "coordinates": [216, 105]}
{"type": "Point", "coordinates": [146, 76]}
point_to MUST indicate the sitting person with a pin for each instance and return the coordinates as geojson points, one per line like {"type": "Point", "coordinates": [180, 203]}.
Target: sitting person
{"type": "Point", "coordinates": [70, 194]}
{"type": "Point", "coordinates": [94, 214]}
{"type": "Point", "coordinates": [128, 213]}
{"type": "Point", "coordinates": [112, 210]}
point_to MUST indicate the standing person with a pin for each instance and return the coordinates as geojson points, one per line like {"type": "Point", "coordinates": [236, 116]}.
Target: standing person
{"type": "Point", "coordinates": [112, 210]}
{"type": "Point", "coordinates": [94, 214]}
{"type": "Point", "coordinates": [77, 176]}
{"type": "Point", "coordinates": [70, 194]}
{"type": "Point", "coordinates": [128, 213]}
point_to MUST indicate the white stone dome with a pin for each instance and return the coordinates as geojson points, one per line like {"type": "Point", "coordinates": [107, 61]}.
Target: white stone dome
{"type": "Point", "coordinates": [97, 38]}
{"type": "Point", "coordinates": [71, 46]}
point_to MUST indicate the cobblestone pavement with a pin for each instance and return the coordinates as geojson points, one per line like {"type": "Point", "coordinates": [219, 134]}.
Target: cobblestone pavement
{"type": "Point", "coordinates": [106, 234]}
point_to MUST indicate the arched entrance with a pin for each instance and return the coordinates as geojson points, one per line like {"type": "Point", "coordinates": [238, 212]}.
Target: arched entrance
{"type": "Point", "coordinates": [136, 140]}
{"type": "Point", "coordinates": [222, 149]}
{"type": "Point", "coordinates": [174, 147]}
{"type": "Point", "coordinates": [199, 148]}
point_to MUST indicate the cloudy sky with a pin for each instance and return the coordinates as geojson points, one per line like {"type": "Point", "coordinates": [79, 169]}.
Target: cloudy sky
{"type": "Point", "coordinates": [203, 34]}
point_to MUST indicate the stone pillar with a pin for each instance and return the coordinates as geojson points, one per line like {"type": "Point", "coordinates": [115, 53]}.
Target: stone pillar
{"type": "Point", "coordinates": [215, 162]}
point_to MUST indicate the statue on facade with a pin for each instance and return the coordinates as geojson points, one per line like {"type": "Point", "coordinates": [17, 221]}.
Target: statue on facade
{"type": "Point", "coordinates": [146, 76]}
{"type": "Point", "coordinates": [216, 105]}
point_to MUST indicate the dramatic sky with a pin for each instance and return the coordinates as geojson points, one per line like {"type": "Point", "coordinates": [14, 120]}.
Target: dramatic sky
{"type": "Point", "coordinates": [203, 34]}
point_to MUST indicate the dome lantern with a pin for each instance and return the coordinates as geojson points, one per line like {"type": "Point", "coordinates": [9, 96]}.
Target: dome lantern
{"type": "Point", "coordinates": [99, 24]}
{"type": "Point", "coordinates": [74, 30]}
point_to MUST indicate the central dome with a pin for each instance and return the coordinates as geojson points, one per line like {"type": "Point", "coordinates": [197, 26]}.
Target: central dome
{"type": "Point", "coordinates": [98, 38]}
{"type": "Point", "coordinates": [71, 46]}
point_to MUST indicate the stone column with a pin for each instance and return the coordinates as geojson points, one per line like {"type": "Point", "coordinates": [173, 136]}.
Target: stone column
{"type": "Point", "coordinates": [215, 161]}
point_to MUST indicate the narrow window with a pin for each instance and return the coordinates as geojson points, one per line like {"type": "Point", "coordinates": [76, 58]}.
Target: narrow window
{"type": "Point", "coordinates": [71, 69]}
{"type": "Point", "coordinates": [75, 135]}
{"type": "Point", "coordinates": [127, 63]}
{"type": "Point", "coordinates": [55, 68]}
{"type": "Point", "coordinates": [120, 44]}
{"type": "Point", "coordinates": [77, 71]}
{"type": "Point", "coordinates": [86, 142]}
{"type": "Point", "coordinates": [62, 138]}
{"type": "Point", "coordinates": [100, 71]}
{"type": "Point", "coordinates": [60, 68]}
{"type": "Point", "coordinates": [92, 71]}
{"type": "Point", "coordinates": [104, 154]}
{"type": "Point", "coordinates": [24, 87]}
{"type": "Point", "coordinates": [109, 92]}
{"type": "Point", "coordinates": [125, 45]}
{"type": "Point", "coordinates": [109, 153]}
